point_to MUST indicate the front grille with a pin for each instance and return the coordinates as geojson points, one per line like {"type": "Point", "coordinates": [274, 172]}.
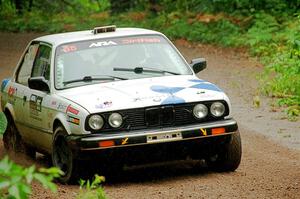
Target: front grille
{"type": "Point", "coordinates": [159, 117]}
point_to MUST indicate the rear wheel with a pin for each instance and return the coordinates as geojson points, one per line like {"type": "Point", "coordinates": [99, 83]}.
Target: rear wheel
{"type": "Point", "coordinates": [62, 156]}
{"type": "Point", "coordinates": [11, 137]}
{"type": "Point", "coordinates": [228, 157]}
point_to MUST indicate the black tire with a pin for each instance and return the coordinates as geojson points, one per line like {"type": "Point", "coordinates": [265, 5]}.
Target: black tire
{"type": "Point", "coordinates": [62, 156]}
{"type": "Point", "coordinates": [11, 137]}
{"type": "Point", "coordinates": [228, 158]}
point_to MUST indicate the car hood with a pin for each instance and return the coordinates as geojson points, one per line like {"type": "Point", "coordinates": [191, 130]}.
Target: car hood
{"type": "Point", "coordinates": [137, 93]}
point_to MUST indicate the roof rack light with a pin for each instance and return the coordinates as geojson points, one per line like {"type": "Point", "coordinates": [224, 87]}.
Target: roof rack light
{"type": "Point", "coordinates": [104, 29]}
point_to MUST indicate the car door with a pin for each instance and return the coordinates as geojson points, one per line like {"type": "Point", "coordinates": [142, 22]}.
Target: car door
{"type": "Point", "coordinates": [37, 102]}
{"type": "Point", "coordinates": [17, 91]}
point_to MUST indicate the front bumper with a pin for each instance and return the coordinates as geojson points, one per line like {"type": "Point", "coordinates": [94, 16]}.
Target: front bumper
{"type": "Point", "coordinates": [93, 142]}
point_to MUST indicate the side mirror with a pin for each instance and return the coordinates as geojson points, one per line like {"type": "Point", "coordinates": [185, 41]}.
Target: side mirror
{"type": "Point", "coordinates": [38, 83]}
{"type": "Point", "coordinates": [198, 64]}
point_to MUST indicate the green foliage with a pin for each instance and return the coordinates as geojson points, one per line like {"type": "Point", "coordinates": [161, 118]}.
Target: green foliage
{"type": "Point", "coordinates": [278, 46]}
{"type": "Point", "coordinates": [268, 28]}
{"type": "Point", "coordinates": [92, 190]}
{"type": "Point", "coordinates": [3, 123]}
{"type": "Point", "coordinates": [15, 180]}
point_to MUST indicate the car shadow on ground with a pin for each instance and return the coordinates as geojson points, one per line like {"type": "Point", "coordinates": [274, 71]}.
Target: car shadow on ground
{"type": "Point", "coordinates": [157, 172]}
{"type": "Point", "coordinates": [165, 171]}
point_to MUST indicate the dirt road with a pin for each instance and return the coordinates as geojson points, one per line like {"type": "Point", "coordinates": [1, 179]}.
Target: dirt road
{"type": "Point", "coordinates": [270, 165]}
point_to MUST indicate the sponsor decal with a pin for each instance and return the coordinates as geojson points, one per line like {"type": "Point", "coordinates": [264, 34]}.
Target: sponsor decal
{"type": "Point", "coordinates": [155, 98]}
{"type": "Point", "coordinates": [73, 120]}
{"type": "Point", "coordinates": [140, 40]}
{"type": "Point", "coordinates": [72, 110]}
{"type": "Point", "coordinates": [102, 43]}
{"type": "Point", "coordinates": [35, 106]}
{"type": "Point", "coordinates": [105, 104]}
{"type": "Point", "coordinates": [69, 48]}
{"type": "Point", "coordinates": [200, 92]}
{"type": "Point", "coordinates": [4, 84]}
{"type": "Point", "coordinates": [53, 103]}
{"type": "Point", "coordinates": [11, 91]}
{"type": "Point", "coordinates": [61, 107]}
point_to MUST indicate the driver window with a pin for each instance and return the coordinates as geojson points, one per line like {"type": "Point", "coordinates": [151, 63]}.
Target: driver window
{"type": "Point", "coordinates": [26, 65]}
{"type": "Point", "coordinates": [41, 66]}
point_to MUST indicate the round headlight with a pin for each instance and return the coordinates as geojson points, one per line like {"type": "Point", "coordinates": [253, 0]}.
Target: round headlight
{"type": "Point", "coordinates": [115, 120]}
{"type": "Point", "coordinates": [200, 111]}
{"type": "Point", "coordinates": [96, 122]}
{"type": "Point", "coordinates": [217, 109]}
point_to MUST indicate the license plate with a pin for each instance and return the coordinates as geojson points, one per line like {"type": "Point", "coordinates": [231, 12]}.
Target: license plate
{"type": "Point", "coordinates": [165, 137]}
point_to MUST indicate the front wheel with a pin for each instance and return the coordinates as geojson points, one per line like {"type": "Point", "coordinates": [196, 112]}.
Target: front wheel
{"type": "Point", "coordinates": [62, 156]}
{"type": "Point", "coordinates": [228, 157]}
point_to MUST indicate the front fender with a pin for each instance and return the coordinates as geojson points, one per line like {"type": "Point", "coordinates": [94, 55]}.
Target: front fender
{"type": "Point", "coordinates": [61, 117]}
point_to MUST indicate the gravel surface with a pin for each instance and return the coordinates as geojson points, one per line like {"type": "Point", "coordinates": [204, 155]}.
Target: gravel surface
{"type": "Point", "coordinates": [270, 166]}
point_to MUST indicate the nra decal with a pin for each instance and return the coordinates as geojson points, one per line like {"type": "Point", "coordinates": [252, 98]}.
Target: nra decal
{"type": "Point", "coordinates": [35, 106]}
{"type": "Point", "coordinates": [102, 43]}
{"type": "Point", "coordinates": [72, 110]}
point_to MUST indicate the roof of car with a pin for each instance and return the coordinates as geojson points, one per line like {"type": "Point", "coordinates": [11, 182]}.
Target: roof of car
{"type": "Point", "coordinates": [61, 38]}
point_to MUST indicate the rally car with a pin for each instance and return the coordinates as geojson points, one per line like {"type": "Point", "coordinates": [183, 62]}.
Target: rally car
{"type": "Point", "coordinates": [116, 96]}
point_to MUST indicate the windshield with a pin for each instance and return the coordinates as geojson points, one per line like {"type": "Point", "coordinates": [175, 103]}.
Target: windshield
{"type": "Point", "coordinates": [116, 59]}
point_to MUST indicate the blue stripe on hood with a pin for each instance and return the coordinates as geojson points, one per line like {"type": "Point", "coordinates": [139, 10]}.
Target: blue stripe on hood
{"type": "Point", "coordinates": [165, 89]}
{"type": "Point", "coordinates": [207, 86]}
{"type": "Point", "coordinates": [197, 80]}
{"type": "Point", "coordinates": [173, 100]}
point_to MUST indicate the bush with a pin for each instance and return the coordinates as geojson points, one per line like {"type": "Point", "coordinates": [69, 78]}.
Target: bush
{"type": "Point", "coordinates": [92, 190]}
{"type": "Point", "coordinates": [15, 180]}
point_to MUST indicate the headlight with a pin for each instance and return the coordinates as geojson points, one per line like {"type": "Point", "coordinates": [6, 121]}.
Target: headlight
{"type": "Point", "coordinates": [217, 109]}
{"type": "Point", "coordinates": [115, 120]}
{"type": "Point", "coordinates": [200, 111]}
{"type": "Point", "coordinates": [96, 122]}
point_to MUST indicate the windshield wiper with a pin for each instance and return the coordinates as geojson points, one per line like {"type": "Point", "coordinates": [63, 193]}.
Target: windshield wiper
{"type": "Point", "coordinates": [90, 79]}
{"type": "Point", "coordinates": [139, 70]}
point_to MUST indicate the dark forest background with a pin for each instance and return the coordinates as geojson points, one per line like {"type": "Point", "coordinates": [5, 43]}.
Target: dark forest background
{"type": "Point", "coordinates": [269, 29]}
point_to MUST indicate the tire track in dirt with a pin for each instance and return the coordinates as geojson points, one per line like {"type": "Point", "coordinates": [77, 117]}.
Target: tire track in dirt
{"type": "Point", "coordinates": [268, 169]}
